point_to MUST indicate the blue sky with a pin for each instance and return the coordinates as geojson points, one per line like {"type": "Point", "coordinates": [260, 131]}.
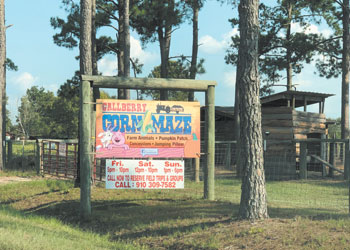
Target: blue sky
{"type": "Point", "coordinates": [42, 63]}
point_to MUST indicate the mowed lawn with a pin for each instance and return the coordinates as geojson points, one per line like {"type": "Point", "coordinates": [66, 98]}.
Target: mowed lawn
{"type": "Point", "coordinates": [44, 214]}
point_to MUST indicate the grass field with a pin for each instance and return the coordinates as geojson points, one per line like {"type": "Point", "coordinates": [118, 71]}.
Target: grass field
{"type": "Point", "coordinates": [44, 214]}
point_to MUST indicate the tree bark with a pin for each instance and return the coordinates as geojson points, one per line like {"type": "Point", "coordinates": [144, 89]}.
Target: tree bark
{"type": "Point", "coordinates": [253, 198]}
{"type": "Point", "coordinates": [2, 80]}
{"type": "Point", "coordinates": [164, 44]}
{"type": "Point", "coordinates": [288, 54]}
{"type": "Point", "coordinates": [120, 42]}
{"type": "Point", "coordinates": [95, 91]}
{"type": "Point", "coordinates": [126, 41]}
{"type": "Point", "coordinates": [236, 128]}
{"type": "Point", "coordinates": [124, 46]}
{"type": "Point", "coordinates": [345, 72]}
{"type": "Point", "coordinates": [164, 37]}
{"type": "Point", "coordinates": [85, 134]}
{"type": "Point", "coordinates": [193, 68]}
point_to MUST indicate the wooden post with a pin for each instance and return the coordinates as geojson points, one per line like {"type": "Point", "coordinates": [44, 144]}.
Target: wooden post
{"type": "Point", "coordinates": [347, 161]}
{"type": "Point", "coordinates": [323, 154]}
{"type": "Point", "coordinates": [305, 104]}
{"type": "Point", "coordinates": [66, 161]}
{"type": "Point", "coordinates": [331, 158]}
{"type": "Point", "coordinates": [57, 145]}
{"type": "Point", "coordinates": [37, 157]}
{"type": "Point", "coordinates": [197, 169]}
{"type": "Point", "coordinates": [85, 163]}
{"type": "Point", "coordinates": [23, 143]}
{"type": "Point", "coordinates": [228, 156]}
{"type": "Point", "coordinates": [209, 193]}
{"type": "Point", "coordinates": [9, 151]}
{"type": "Point", "coordinates": [303, 160]}
{"type": "Point", "coordinates": [323, 103]}
{"type": "Point", "coordinates": [205, 161]}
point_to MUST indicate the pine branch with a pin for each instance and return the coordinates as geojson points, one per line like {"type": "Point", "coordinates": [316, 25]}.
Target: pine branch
{"type": "Point", "coordinates": [109, 25]}
{"type": "Point", "coordinates": [109, 13]}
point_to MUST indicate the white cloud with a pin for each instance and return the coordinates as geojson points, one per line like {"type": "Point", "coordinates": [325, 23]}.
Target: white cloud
{"type": "Point", "coordinates": [227, 36]}
{"type": "Point", "coordinates": [136, 51]}
{"type": "Point", "coordinates": [24, 80]}
{"type": "Point", "coordinates": [230, 78]}
{"type": "Point", "coordinates": [52, 87]}
{"type": "Point", "coordinates": [311, 29]}
{"type": "Point", "coordinates": [108, 66]}
{"type": "Point", "coordinates": [210, 45]}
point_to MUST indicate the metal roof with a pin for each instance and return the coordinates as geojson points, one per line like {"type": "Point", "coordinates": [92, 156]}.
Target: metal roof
{"type": "Point", "coordinates": [282, 98]}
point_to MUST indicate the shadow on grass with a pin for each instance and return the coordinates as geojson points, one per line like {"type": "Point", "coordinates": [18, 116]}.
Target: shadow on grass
{"type": "Point", "coordinates": [129, 219]}
{"type": "Point", "coordinates": [310, 213]}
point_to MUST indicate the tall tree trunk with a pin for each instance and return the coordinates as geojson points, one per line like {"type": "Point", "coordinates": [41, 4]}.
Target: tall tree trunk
{"type": "Point", "coordinates": [193, 71]}
{"type": "Point", "coordinates": [164, 37]}
{"type": "Point", "coordinates": [85, 38]}
{"type": "Point", "coordinates": [124, 46]}
{"type": "Point", "coordinates": [345, 72]}
{"type": "Point", "coordinates": [93, 38]}
{"type": "Point", "coordinates": [2, 80]}
{"type": "Point", "coordinates": [95, 91]}
{"type": "Point", "coordinates": [85, 47]}
{"type": "Point", "coordinates": [126, 41]}
{"type": "Point", "coordinates": [120, 42]}
{"type": "Point", "coordinates": [164, 44]}
{"type": "Point", "coordinates": [253, 198]}
{"type": "Point", "coordinates": [236, 129]}
{"type": "Point", "coordinates": [289, 68]}
{"type": "Point", "coordinates": [193, 68]}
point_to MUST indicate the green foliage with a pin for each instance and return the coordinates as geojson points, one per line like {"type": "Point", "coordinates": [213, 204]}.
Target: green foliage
{"type": "Point", "coordinates": [43, 114]}
{"type": "Point", "coordinates": [179, 69]}
{"type": "Point", "coordinates": [10, 65]}
{"type": "Point", "coordinates": [107, 15]}
{"type": "Point", "coordinates": [275, 43]}
{"type": "Point", "coordinates": [69, 29]}
{"type": "Point", "coordinates": [334, 130]}
{"type": "Point", "coordinates": [151, 17]}
{"type": "Point", "coordinates": [33, 112]}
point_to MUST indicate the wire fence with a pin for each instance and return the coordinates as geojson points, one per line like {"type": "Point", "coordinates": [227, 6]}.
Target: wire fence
{"type": "Point", "coordinates": [324, 188]}
{"type": "Point", "coordinates": [20, 154]}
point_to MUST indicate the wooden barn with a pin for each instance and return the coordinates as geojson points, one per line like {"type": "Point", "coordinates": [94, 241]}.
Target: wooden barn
{"type": "Point", "coordinates": [223, 123]}
{"type": "Point", "coordinates": [285, 117]}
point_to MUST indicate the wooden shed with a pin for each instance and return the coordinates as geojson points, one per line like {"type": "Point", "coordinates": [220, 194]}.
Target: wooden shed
{"type": "Point", "coordinates": [224, 125]}
{"type": "Point", "coordinates": [285, 117]}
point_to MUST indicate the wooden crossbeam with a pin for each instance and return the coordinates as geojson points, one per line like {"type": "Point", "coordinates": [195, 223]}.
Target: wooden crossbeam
{"type": "Point", "coordinates": [327, 163]}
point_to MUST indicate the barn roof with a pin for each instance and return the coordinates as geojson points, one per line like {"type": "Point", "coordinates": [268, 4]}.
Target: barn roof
{"type": "Point", "coordinates": [221, 112]}
{"type": "Point", "coordinates": [282, 98]}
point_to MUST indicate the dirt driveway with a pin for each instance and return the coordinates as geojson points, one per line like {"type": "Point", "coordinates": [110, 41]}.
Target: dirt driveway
{"type": "Point", "coordinates": [9, 179]}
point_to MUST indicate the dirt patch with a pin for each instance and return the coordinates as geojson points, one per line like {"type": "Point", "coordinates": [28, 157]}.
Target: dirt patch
{"type": "Point", "coordinates": [10, 179]}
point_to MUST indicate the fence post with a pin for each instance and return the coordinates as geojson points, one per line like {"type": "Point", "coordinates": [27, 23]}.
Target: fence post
{"type": "Point", "coordinates": [303, 160]}
{"type": "Point", "coordinates": [37, 157]}
{"type": "Point", "coordinates": [331, 158]}
{"type": "Point", "coordinates": [197, 169]}
{"type": "Point", "coordinates": [85, 150]}
{"type": "Point", "coordinates": [228, 156]}
{"type": "Point", "coordinates": [9, 151]}
{"type": "Point", "coordinates": [347, 161]}
{"type": "Point", "coordinates": [209, 189]}
{"type": "Point", "coordinates": [323, 155]}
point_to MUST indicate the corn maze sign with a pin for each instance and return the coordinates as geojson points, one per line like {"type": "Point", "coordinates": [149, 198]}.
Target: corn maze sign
{"type": "Point", "coordinates": [147, 129]}
{"type": "Point", "coordinates": [144, 174]}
